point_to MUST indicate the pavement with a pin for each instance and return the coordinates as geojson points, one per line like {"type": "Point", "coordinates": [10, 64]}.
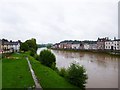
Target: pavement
{"type": "Point", "coordinates": [37, 84]}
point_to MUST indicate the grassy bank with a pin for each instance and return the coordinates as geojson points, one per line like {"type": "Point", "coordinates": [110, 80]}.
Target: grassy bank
{"type": "Point", "coordinates": [16, 73]}
{"type": "Point", "coordinates": [47, 77]}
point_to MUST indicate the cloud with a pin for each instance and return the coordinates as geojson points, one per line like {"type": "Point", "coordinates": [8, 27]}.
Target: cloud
{"type": "Point", "coordinates": [56, 20]}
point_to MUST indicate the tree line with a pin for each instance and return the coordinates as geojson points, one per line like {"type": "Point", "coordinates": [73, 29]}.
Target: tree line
{"type": "Point", "coordinates": [29, 45]}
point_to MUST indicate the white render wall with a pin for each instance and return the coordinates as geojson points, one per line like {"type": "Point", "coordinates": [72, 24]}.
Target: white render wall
{"type": "Point", "coordinates": [75, 46]}
{"type": "Point", "coordinates": [93, 46]}
{"type": "Point", "coordinates": [16, 47]}
{"type": "Point", "coordinates": [115, 44]}
{"type": "Point", "coordinates": [108, 45]}
{"type": "Point", "coordinates": [86, 46]}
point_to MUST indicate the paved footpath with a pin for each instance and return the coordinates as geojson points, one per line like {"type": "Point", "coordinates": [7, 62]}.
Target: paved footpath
{"type": "Point", "coordinates": [37, 84]}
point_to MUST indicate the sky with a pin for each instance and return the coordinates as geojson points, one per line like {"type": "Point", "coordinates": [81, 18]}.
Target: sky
{"type": "Point", "coordinates": [52, 21]}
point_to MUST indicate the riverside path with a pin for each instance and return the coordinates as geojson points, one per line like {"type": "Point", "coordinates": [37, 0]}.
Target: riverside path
{"type": "Point", "coordinates": [37, 84]}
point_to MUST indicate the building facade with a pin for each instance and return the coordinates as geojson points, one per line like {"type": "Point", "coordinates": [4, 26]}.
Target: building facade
{"type": "Point", "coordinates": [9, 46]}
{"type": "Point", "coordinates": [108, 45]}
{"type": "Point", "coordinates": [75, 46]}
{"type": "Point", "coordinates": [112, 44]}
{"type": "Point", "coordinates": [86, 46]}
{"type": "Point", "coordinates": [101, 43]}
{"type": "Point", "coordinates": [93, 46]}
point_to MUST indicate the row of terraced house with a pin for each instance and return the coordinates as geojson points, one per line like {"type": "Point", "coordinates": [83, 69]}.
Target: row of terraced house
{"type": "Point", "coordinates": [100, 44]}
{"type": "Point", "coordinates": [9, 46]}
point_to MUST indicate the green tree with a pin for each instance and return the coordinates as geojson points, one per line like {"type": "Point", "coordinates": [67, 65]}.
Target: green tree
{"type": "Point", "coordinates": [24, 47]}
{"type": "Point", "coordinates": [47, 58]}
{"type": "Point", "coordinates": [32, 44]}
{"type": "Point", "coordinates": [29, 45]}
{"type": "Point", "coordinates": [49, 45]}
{"type": "Point", "coordinates": [76, 75]}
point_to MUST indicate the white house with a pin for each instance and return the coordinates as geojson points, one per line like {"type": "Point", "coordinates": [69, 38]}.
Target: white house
{"type": "Point", "coordinates": [93, 46]}
{"type": "Point", "coordinates": [112, 44]}
{"type": "Point", "coordinates": [90, 46]}
{"type": "Point", "coordinates": [116, 44]}
{"type": "Point", "coordinates": [76, 46]}
{"type": "Point", "coordinates": [86, 46]}
{"type": "Point", "coordinates": [108, 45]}
{"type": "Point", "coordinates": [16, 46]}
{"type": "Point", "coordinates": [11, 46]}
{"type": "Point", "coordinates": [101, 43]}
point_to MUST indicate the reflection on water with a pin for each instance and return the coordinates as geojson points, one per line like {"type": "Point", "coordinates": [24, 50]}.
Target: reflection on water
{"type": "Point", "coordinates": [102, 69]}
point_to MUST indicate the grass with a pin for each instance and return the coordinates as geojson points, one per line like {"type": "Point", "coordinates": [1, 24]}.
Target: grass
{"type": "Point", "coordinates": [48, 78]}
{"type": "Point", "coordinates": [15, 72]}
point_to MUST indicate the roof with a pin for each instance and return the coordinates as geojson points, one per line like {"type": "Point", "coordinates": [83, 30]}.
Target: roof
{"type": "Point", "coordinates": [10, 43]}
{"type": "Point", "coordinates": [6, 42]}
{"type": "Point", "coordinates": [116, 40]}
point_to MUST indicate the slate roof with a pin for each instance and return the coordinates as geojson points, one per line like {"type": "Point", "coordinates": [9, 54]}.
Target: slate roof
{"type": "Point", "coordinates": [6, 42]}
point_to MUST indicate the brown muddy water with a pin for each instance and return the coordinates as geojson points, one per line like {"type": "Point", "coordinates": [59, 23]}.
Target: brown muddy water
{"type": "Point", "coordinates": [102, 69]}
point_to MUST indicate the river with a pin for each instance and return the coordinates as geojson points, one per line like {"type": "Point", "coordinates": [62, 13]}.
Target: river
{"type": "Point", "coordinates": [102, 69]}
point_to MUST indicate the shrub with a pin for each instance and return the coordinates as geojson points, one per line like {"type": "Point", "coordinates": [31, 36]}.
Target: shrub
{"type": "Point", "coordinates": [77, 75]}
{"type": "Point", "coordinates": [32, 52]}
{"type": "Point", "coordinates": [36, 57]}
{"type": "Point", "coordinates": [53, 66]}
{"type": "Point", "coordinates": [62, 72]}
{"type": "Point", "coordinates": [47, 58]}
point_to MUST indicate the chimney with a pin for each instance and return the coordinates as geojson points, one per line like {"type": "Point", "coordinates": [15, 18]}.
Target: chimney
{"type": "Point", "coordinates": [114, 38]}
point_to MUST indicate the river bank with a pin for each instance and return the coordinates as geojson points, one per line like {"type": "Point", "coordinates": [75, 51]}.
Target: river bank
{"type": "Point", "coordinates": [16, 73]}
{"type": "Point", "coordinates": [109, 52]}
{"type": "Point", "coordinates": [102, 68]}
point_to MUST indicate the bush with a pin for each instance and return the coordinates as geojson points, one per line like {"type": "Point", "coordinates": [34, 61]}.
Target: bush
{"type": "Point", "coordinates": [62, 72]}
{"type": "Point", "coordinates": [32, 52]}
{"type": "Point", "coordinates": [53, 66]}
{"type": "Point", "coordinates": [47, 58]}
{"type": "Point", "coordinates": [36, 57]}
{"type": "Point", "coordinates": [77, 75]}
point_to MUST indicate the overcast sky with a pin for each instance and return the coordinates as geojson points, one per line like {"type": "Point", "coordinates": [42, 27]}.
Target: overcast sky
{"type": "Point", "coordinates": [51, 21]}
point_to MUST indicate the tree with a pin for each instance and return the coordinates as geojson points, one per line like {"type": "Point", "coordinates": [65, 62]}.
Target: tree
{"type": "Point", "coordinates": [24, 47]}
{"type": "Point", "coordinates": [47, 58]}
{"type": "Point", "coordinates": [32, 44]}
{"type": "Point", "coordinates": [77, 75]}
{"type": "Point", "coordinates": [49, 45]}
{"type": "Point", "coordinates": [29, 45]}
